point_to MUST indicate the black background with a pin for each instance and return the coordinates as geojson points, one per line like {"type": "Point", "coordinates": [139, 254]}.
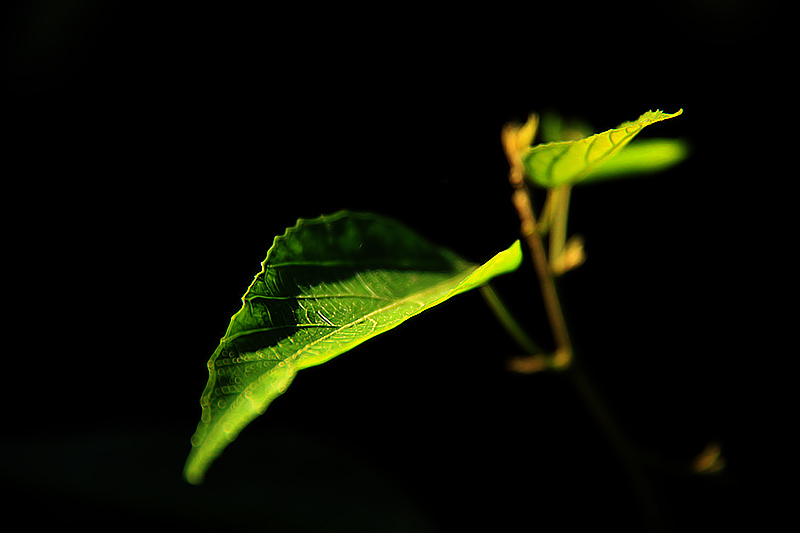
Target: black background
{"type": "Point", "coordinates": [153, 151]}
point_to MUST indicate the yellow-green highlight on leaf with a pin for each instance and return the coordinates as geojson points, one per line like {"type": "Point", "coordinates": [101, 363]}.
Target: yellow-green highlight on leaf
{"type": "Point", "coordinates": [327, 285]}
{"type": "Point", "coordinates": [569, 162]}
{"type": "Point", "coordinates": [641, 157]}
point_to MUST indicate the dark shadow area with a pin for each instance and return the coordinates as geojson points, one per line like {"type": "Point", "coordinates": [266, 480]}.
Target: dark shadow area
{"type": "Point", "coordinates": [125, 478]}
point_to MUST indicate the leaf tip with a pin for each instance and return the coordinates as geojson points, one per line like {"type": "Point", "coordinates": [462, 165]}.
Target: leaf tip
{"type": "Point", "coordinates": [663, 115]}
{"type": "Point", "coordinates": [512, 256]}
{"type": "Point", "coordinates": [192, 473]}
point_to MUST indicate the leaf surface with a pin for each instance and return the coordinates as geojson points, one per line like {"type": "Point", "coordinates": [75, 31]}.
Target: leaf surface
{"type": "Point", "coordinates": [326, 285]}
{"type": "Point", "coordinates": [641, 157]}
{"type": "Point", "coordinates": [569, 162]}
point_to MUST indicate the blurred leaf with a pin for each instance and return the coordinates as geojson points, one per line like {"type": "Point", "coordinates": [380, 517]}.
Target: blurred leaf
{"type": "Point", "coordinates": [640, 157]}
{"type": "Point", "coordinates": [327, 285]}
{"type": "Point", "coordinates": [569, 162]}
{"type": "Point", "coordinates": [554, 128]}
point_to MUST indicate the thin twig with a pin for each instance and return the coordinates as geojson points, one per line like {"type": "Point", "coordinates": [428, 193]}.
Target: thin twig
{"type": "Point", "coordinates": [508, 321]}
{"type": "Point", "coordinates": [621, 444]}
{"type": "Point", "coordinates": [558, 233]}
{"type": "Point", "coordinates": [552, 303]}
{"type": "Point", "coordinates": [558, 202]}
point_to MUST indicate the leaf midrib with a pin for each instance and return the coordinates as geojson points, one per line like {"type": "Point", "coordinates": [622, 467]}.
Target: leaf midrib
{"type": "Point", "coordinates": [464, 274]}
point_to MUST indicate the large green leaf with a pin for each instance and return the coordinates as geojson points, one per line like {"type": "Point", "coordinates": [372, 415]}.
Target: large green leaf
{"type": "Point", "coordinates": [569, 162]}
{"type": "Point", "coordinates": [327, 285]}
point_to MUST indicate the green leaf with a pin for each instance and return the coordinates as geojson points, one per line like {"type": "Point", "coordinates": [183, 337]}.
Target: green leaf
{"type": "Point", "coordinates": [641, 157]}
{"type": "Point", "coordinates": [554, 128]}
{"type": "Point", "coordinates": [569, 162]}
{"type": "Point", "coordinates": [327, 285]}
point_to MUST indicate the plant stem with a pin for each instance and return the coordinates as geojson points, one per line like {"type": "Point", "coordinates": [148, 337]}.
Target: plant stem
{"type": "Point", "coordinates": [564, 357]}
{"type": "Point", "coordinates": [559, 198]}
{"type": "Point", "coordinates": [624, 449]}
{"type": "Point", "coordinates": [508, 321]}
{"type": "Point", "coordinates": [546, 216]}
{"type": "Point", "coordinates": [558, 204]}
{"type": "Point", "coordinates": [522, 201]}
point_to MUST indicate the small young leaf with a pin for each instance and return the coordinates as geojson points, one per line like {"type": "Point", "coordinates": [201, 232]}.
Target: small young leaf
{"type": "Point", "coordinates": [326, 285]}
{"type": "Point", "coordinates": [569, 162]}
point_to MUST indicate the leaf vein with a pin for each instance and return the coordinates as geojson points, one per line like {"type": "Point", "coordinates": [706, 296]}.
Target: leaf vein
{"type": "Point", "coordinates": [270, 328]}
{"type": "Point", "coordinates": [373, 296]}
